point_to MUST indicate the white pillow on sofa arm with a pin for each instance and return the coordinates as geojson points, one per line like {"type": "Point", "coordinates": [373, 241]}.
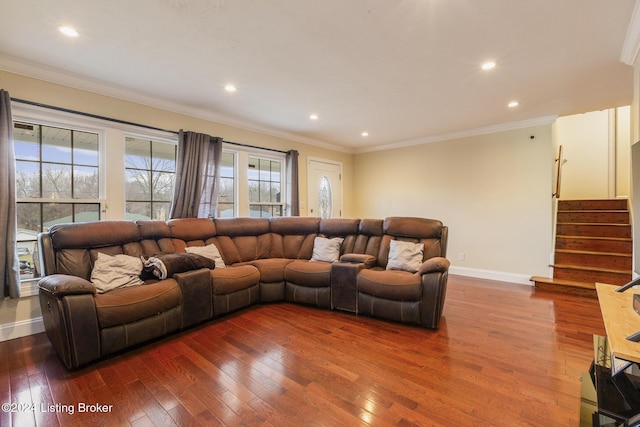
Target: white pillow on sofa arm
{"type": "Point", "coordinates": [405, 256]}
{"type": "Point", "coordinates": [210, 251]}
{"type": "Point", "coordinates": [115, 271]}
{"type": "Point", "coordinates": [325, 249]}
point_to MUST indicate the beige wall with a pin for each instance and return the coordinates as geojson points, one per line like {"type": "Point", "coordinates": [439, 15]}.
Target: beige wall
{"type": "Point", "coordinates": [596, 146]}
{"type": "Point", "coordinates": [493, 191]}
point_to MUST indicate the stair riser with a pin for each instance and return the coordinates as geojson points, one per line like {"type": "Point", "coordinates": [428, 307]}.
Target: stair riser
{"type": "Point", "coordinates": [595, 245]}
{"type": "Point", "coordinates": [613, 204]}
{"type": "Point", "coordinates": [591, 230]}
{"type": "Point", "coordinates": [591, 276]}
{"type": "Point", "coordinates": [594, 217]}
{"type": "Point", "coordinates": [613, 262]}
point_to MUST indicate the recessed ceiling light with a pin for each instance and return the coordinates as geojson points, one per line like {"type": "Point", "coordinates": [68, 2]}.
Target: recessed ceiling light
{"type": "Point", "coordinates": [488, 65]}
{"type": "Point", "coordinates": [68, 31]}
{"type": "Point", "coordinates": [313, 117]}
{"type": "Point", "coordinates": [230, 88]}
{"type": "Point", "coordinates": [365, 134]}
{"type": "Point", "coordinates": [513, 104]}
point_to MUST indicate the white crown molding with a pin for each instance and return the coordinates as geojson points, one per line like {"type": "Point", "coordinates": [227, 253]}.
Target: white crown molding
{"type": "Point", "coordinates": [631, 45]}
{"type": "Point", "coordinates": [539, 121]}
{"type": "Point", "coordinates": [40, 72]}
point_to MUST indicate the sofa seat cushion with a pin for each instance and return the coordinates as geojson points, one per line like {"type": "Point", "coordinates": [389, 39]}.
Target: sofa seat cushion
{"type": "Point", "coordinates": [234, 278]}
{"type": "Point", "coordinates": [125, 305]}
{"type": "Point", "coordinates": [313, 274]}
{"type": "Point", "coordinates": [271, 269]}
{"type": "Point", "coordinates": [390, 284]}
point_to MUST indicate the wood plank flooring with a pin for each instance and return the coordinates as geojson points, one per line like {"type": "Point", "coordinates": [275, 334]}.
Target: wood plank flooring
{"type": "Point", "coordinates": [505, 355]}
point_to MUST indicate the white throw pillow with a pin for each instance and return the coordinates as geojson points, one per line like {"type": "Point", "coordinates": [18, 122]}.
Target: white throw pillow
{"type": "Point", "coordinates": [210, 251]}
{"type": "Point", "coordinates": [117, 271]}
{"type": "Point", "coordinates": [405, 256]}
{"type": "Point", "coordinates": [325, 249]}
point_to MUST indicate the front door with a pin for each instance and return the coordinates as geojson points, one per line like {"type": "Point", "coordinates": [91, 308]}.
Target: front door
{"type": "Point", "coordinates": [324, 180]}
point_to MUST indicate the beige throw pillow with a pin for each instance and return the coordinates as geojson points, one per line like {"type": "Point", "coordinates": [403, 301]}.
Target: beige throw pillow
{"type": "Point", "coordinates": [210, 251]}
{"type": "Point", "coordinates": [405, 256]}
{"type": "Point", "coordinates": [115, 271]}
{"type": "Point", "coordinates": [325, 249]}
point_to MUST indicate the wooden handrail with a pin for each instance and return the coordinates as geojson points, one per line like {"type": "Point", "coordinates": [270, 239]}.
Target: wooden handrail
{"type": "Point", "coordinates": [560, 162]}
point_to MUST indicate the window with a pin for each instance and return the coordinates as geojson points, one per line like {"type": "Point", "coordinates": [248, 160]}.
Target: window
{"type": "Point", "coordinates": [227, 193]}
{"type": "Point", "coordinates": [252, 183]}
{"type": "Point", "coordinates": [265, 187]}
{"type": "Point", "coordinates": [57, 181]}
{"type": "Point", "coordinates": [150, 169]}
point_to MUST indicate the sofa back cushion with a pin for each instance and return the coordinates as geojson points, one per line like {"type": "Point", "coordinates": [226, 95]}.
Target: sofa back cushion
{"type": "Point", "coordinates": [292, 237]}
{"type": "Point", "coordinates": [345, 228]}
{"type": "Point", "coordinates": [73, 243]}
{"type": "Point", "coordinates": [429, 232]}
{"type": "Point", "coordinates": [242, 239]}
{"type": "Point", "coordinates": [369, 237]}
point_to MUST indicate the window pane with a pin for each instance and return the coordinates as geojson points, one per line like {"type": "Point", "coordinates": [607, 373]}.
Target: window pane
{"type": "Point", "coordinates": [226, 193]}
{"type": "Point", "coordinates": [28, 215]}
{"type": "Point", "coordinates": [84, 212]}
{"type": "Point", "coordinates": [253, 172]}
{"type": "Point", "coordinates": [265, 192]}
{"type": "Point", "coordinates": [26, 139]}
{"type": "Point", "coordinates": [227, 164]}
{"type": "Point", "coordinates": [85, 182]}
{"type": "Point", "coordinates": [56, 181]}
{"type": "Point", "coordinates": [27, 179]}
{"type": "Point", "coordinates": [254, 191]}
{"type": "Point", "coordinates": [138, 210]}
{"type": "Point", "coordinates": [275, 171]}
{"type": "Point", "coordinates": [56, 144]}
{"type": "Point", "coordinates": [85, 148]}
{"type": "Point", "coordinates": [162, 185]}
{"type": "Point", "coordinates": [226, 210]}
{"type": "Point", "coordinates": [275, 192]}
{"type": "Point", "coordinates": [56, 213]}
{"type": "Point", "coordinates": [161, 210]}
{"type": "Point", "coordinates": [138, 184]}
{"type": "Point", "coordinates": [138, 153]}
{"type": "Point", "coordinates": [164, 156]}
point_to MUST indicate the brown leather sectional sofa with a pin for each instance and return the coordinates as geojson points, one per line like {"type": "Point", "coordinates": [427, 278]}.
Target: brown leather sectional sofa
{"type": "Point", "coordinates": [267, 260]}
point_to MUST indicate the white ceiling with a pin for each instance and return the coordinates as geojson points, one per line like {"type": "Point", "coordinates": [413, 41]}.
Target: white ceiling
{"type": "Point", "coordinates": [403, 70]}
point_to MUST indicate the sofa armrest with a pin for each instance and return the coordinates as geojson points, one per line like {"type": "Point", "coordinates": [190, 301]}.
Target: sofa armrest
{"type": "Point", "coordinates": [368, 260]}
{"type": "Point", "coordinates": [63, 284]}
{"type": "Point", "coordinates": [435, 264]}
{"type": "Point", "coordinates": [197, 296]}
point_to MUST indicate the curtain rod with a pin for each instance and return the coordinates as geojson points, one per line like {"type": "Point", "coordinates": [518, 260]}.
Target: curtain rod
{"type": "Point", "coordinates": [124, 122]}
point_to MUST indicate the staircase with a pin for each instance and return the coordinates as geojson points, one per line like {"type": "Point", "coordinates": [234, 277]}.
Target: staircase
{"type": "Point", "coordinates": [593, 244]}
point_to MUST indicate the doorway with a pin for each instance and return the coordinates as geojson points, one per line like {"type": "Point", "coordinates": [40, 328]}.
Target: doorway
{"type": "Point", "coordinates": [324, 188]}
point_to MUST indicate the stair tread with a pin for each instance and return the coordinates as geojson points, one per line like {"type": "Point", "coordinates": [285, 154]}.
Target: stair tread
{"type": "Point", "coordinates": [564, 282]}
{"type": "Point", "coordinates": [617, 224]}
{"type": "Point", "coordinates": [616, 239]}
{"type": "Point", "coordinates": [584, 268]}
{"type": "Point", "coordinates": [582, 252]}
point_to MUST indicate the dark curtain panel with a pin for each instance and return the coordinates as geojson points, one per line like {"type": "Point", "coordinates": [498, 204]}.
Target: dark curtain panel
{"type": "Point", "coordinates": [197, 173]}
{"type": "Point", "coordinates": [211, 185]}
{"type": "Point", "coordinates": [9, 265]}
{"type": "Point", "coordinates": [292, 178]}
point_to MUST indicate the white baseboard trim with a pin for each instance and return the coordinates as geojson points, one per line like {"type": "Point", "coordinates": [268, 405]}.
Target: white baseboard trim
{"type": "Point", "coordinates": [22, 328]}
{"type": "Point", "coordinates": [500, 276]}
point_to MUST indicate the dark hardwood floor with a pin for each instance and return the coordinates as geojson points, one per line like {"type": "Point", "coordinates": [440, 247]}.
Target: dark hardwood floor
{"type": "Point", "coordinates": [505, 355]}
